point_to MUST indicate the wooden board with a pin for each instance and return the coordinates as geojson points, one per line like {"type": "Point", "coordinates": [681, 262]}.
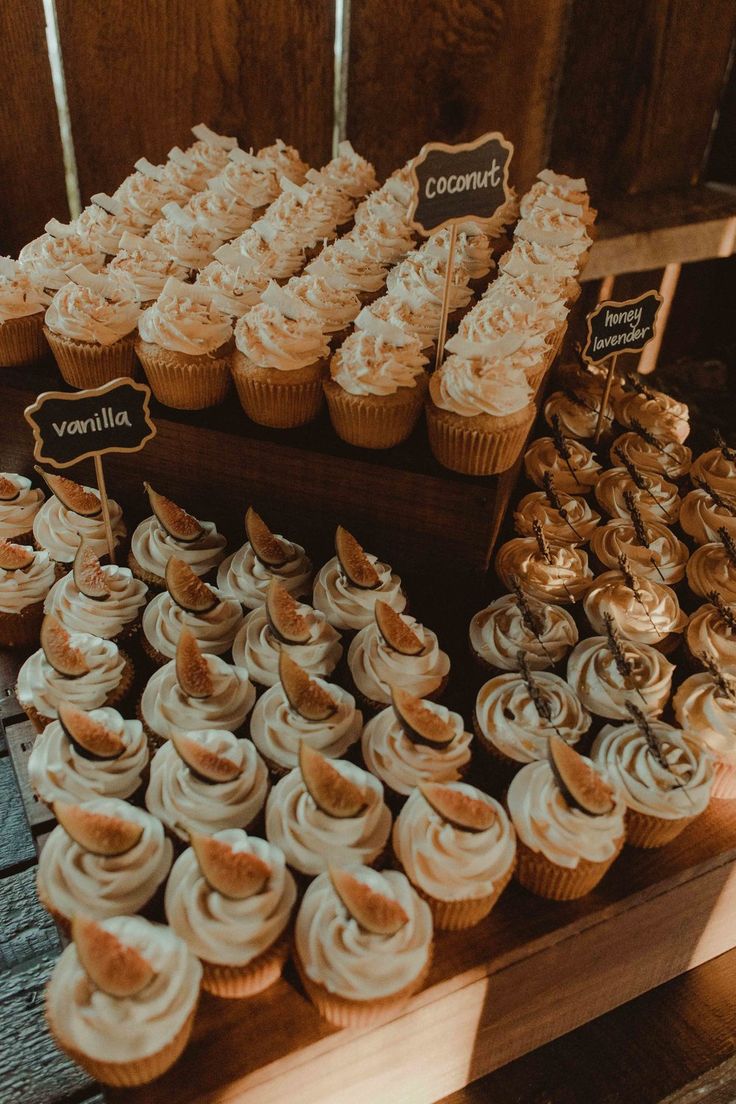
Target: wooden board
{"type": "Point", "coordinates": [449, 70]}
{"type": "Point", "coordinates": [16, 845]}
{"type": "Point", "coordinates": [31, 163]}
{"type": "Point", "coordinates": [139, 74]}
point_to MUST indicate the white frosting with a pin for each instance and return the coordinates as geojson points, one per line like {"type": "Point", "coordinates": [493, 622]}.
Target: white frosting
{"type": "Point", "coordinates": [349, 607]}
{"type": "Point", "coordinates": [498, 633]}
{"type": "Point", "coordinates": [594, 676]}
{"type": "Point", "coordinates": [708, 715]}
{"type": "Point", "coordinates": [234, 291]}
{"type": "Point", "coordinates": [244, 577]}
{"type": "Point", "coordinates": [164, 620]}
{"type": "Point", "coordinates": [507, 716]}
{"type": "Point", "coordinates": [166, 708]}
{"type": "Point", "coordinates": [257, 648]}
{"type": "Point", "coordinates": [183, 322]}
{"type": "Point", "coordinates": [336, 306]}
{"type": "Point", "coordinates": [717, 468]}
{"type": "Point", "coordinates": [662, 415]}
{"type": "Point", "coordinates": [667, 458]}
{"type": "Point", "coordinates": [701, 517]}
{"type": "Point", "coordinates": [271, 339]}
{"type": "Point", "coordinates": [48, 259]}
{"type": "Point", "coordinates": [663, 560]}
{"type": "Point", "coordinates": [401, 764]}
{"type": "Point", "coordinates": [102, 617]}
{"type": "Point", "coordinates": [658, 501]}
{"type": "Point", "coordinates": [146, 267]}
{"type": "Point", "coordinates": [469, 387]}
{"type": "Point", "coordinates": [563, 579]}
{"type": "Point", "coordinates": [376, 667]}
{"type": "Point", "coordinates": [40, 686]}
{"type": "Point", "coordinates": [153, 548]}
{"type": "Point", "coordinates": [20, 294]}
{"type": "Point", "coordinates": [277, 730]}
{"type": "Point", "coordinates": [578, 413]}
{"type": "Point", "coordinates": [16, 517]}
{"type": "Point", "coordinates": [369, 365]}
{"type": "Point", "coordinates": [577, 476]}
{"type": "Point", "coordinates": [707, 631]}
{"type": "Point", "coordinates": [26, 586]}
{"type": "Point", "coordinates": [60, 531]}
{"type": "Point", "coordinates": [574, 527]}
{"type": "Point", "coordinates": [186, 240]}
{"type": "Point", "coordinates": [647, 619]}
{"type": "Point", "coordinates": [710, 568]}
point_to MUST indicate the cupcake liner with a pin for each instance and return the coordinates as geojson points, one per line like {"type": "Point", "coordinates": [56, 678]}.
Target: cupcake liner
{"type": "Point", "coordinates": [84, 364]}
{"type": "Point", "coordinates": [558, 883]}
{"type": "Point", "coordinates": [643, 830]}
{"type": "Point", "coordinates": [22, 341]}
{"type": "Point", "coordinates": [458, 445]}
{"type": "Point", "coordinates": [154, 740]}
{"type": "Point", "coordinates": [157, 582]}
{"type": "Point", "coordinates": [459, 915]}
{"type": "Point", "coordinates": [281, 400]}
{"type": "Point", "coordinates": [185, 382]}
{"type": "Point", "coordinates": [724, 781]}
{"type": "Point", "coordinates": [126, 1074]}
{"type": "Point", "coordinates": [374, 421]}
{"type": "Point", "coordinates": [254, 977]}
{"type": "Point", "coordinates": [21, 629]}
{"type": "Point", "coordinates": [343, 1012]}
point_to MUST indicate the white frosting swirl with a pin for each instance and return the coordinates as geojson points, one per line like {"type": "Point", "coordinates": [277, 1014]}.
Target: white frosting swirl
{"type": "Point", "coordinates": [234, 291]}
{"type": "Point", "coordinates": [366, 364]}
{"type": "Point", "coordinates": [344, 260]}
{"type": "Point", "coordinates": [542, 456]}
{"type": "Point", "coordinates": [350, 172]}
{"type": "Point", "coordinates": [388, 240]}
{"type": "Point", "coordinates": [20, 294]}
{"type": "Point", "coordinates": [60, 531]}
{"type": "Point", "coordinates": [563, 578]}
{"type": "Point", "coordinates": [145, 195]}
{"type": "Point", "coordinates": [498, 633]}
{"type": "Point", "coordinates": [166, 708]}
{"type": "Point", "coordinates": [147, 268]}
{"type": "Point", "coordinates": [164, 619]}
{"type": "Point", "coordinates": [578, 414]}
{"type": "Point", "coordinates": [153, 547]}
{"type": "Point", "coordinates": [701, 516]}
{"type": "Point", "coordinates": [185, 239]}
{"type": "Point", "coordinates": [335, 306]}
{"type": "Point", "coordinates": [646, 619]}
{"type": "Point", "coordinates": [244, 577]}
{"type": "Point", "coordinates": [708, 715]}
{"type": "Point", "coordinates": [277, 256]}
{"type": "Point", "coordinates": [349, 607]}
{"type": "Point", "coordinates": [257, 648]}
{"type": "Point", "coordinates": [102, 617]}
{"type": "Point", "coordinates": [278, 731]}
{"type": "Point", "coordinates": [376, 667]}
{"type": "Point", "coordinates": [658, 500]}
{"type": "Point", "coordinates": [575, 527]}
{"type": "Point", "coordinates": [40, 686]}
{"type": "Point", "coordinates": [668, 458]}
{"type": "Point", "coordinates": [474, 386]}
{"type": "Point", "coordinates": [593, 674]}
{"type": "Point", "coordinates": [507, 716]}
{"type": "Point", "coordinates": [48, 259]}
{"type": "Point", "coordinates": [421, 277]}
{"type": "Point", "coordinates": [271, 339]}
{"type": "Point", "coordinates": [717, 468]}
{"type": "Point", "coordinates": [222, 215]}
{"type": "Point", "coordinates": [401, 764]}
{"type": "Point", "coordinates": [26, 586]}
{"type": "Point", "coordinates": [16, 516]}
{"type": "Point", "coordinates": [183, 323]}
{"type": "Point", "coordinates": [708, 631]}
{"type": "Point", "coordinates": [421, 320]}
{"type": "Point", "coordinates": [663, 560]}
{"type": "Point", "coordinates": [711, 568]}
{"type": "Point", "coordinates": [664, 416]}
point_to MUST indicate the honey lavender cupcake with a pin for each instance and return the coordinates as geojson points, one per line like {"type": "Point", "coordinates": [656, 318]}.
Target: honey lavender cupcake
{"type": "Point", "coordinates": [565, 519]}
{"type": "Point", "coordinates": [577, 414]}
{"type": "Point", "coordinates": [188, 603]}
{"type": "Point", "coordinates": [171, 531]}
{"type": "Point", "coordinates": [712, 568]}
{"type": "Point", "coordinates": [105, 600]}
{"type": "Point", "coordinates": [570, 463]}
{"type": "Point", "coordinates": [643, 448]}
{"type": "Point", "coordinates": [657, 412]}
{"type": "Point", "coordinates": [609, 673]}
{"type": "Point", "coordinates": [396, 652]}
{"type": "Point", "coordinates": [717, 467]}
{"type": "Point", "coordinates": [25, 579]}
{"type": "Point", "coordinates": [246, 574]}
{"type": "Point", "coordinates": [19, 504]}
{"type": "Point", "coordinates": [515, 623]}
{"type": "Point", "coordinates": [705, 707]}
{"type": "Point", "coordinates": [347, 588]}
{"type": "Point", "coordinates": [652, 550]}
{"type": "Point", "coordinates": [72, 515]}
{"type": "Point", "coordinates": [549, 572]}
{"type": "Point", "coordinates": [712, 630]}
{"type": "Point", "coordinates": [656, 498]}
{"type": "Point", "coordinates": [705, 511]}
{"type": "Point", "coordinates": [23, 302]}
{"type": "Point", "coordinates": [643, 610]}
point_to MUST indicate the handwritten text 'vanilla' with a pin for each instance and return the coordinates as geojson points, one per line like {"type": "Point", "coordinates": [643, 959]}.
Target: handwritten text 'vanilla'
{"type": "Point", "coordinates": [105, 419]}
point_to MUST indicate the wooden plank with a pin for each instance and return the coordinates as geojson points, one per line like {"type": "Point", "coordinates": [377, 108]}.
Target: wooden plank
{"type": "Point", "coordinates": [140, 74]}
{"type": "Point", "coordinates": [10, 663]}
{"type": "Point", "coordinates": [16, 845]}
{"type": "Point", "coordinates": [26, 930]}
{"type": "Point", "coordinates": [450, 71]}
{"type": "Point", "coordinates": [21, 738]}
{"type": "Point", "coordinates": [31, 162]}
{"type": "Point", "coordinates": [627, 117]}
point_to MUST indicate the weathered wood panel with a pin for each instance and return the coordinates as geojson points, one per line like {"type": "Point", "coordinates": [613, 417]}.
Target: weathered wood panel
{"type": "Point", "coordinates": [447, 70]}
{"type": "Point", "coordinates": [31, 164]}
{"type": "Point", "coordinates": [26, 930]}
{"type": "Point", "coordinates": [139, 74]}
{"type": "Point", "coordinates": [16, 844]}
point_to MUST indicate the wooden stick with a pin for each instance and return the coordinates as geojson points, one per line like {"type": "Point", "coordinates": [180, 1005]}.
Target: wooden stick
{"type": "Point", "coordinates": [99, 475]}
{"type": "Point", "coordinates": [605, 398]}
{"type": "Point", "coordinates": [668, 287]}
{"type": "Point", "coordinates": [446, 295]}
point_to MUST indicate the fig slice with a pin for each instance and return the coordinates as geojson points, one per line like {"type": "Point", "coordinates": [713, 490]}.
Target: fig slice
{"type": "Point", "coordinates": [99, 833]}
{"type": "Point", "coordinates": [399, 636]}
{"type": "Point", "coordinates": [187, 589]}
{"type": "Point", "coordinates": [357, 567]}
{"type": "Point", "coordinates": [57, 649]}
{"type": "Point", "coordinates": [374, 911]}
{"type": "Point", "coordinates": [305, 696]}
{"type": "Point", "coordinates": [113, 966]}
{"type": "Point", "coordinates": [282, 610]}
{"type": "Point", "coordinates": [72, 495]}
{"type": "Point", "coordinates": [8, 490]}
{"type": "Point", "coordinates": [329, 789]}
{"type": "Point", "coordinates": [235, 874]}
{"type": "Point", "coordinates": [582, 787]}
{"type": "Point", "coordinates": [14, 557]}
{"type": "Point", "coordinates": [89, 577]}
{"type": "Point", "coordinates": [269, 549]}
{"type": "Point", "coordinates": [468, 814]}
{"type": "Point", "coordinates": [420, 724]}
{"type": "Point", "coordinates": [205, 764]}
{"type": "Point", "coordinates": [192, 669]}
{"type": "Point", "coordinates": [89, 737]}
{"type": "Point", "coordinates": [180, 525]}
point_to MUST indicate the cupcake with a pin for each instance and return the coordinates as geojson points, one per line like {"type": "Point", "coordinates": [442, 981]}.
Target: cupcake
{"type": "Point", "coordinates": [705, 706]}
{"type": "Point", "coordinates": [473, 249]}
{"type": "Point", "coordinates": [172, 532]}
{"type": "Point", "coordinates": [478, 415]}
{"type": "Point", "coordinates": [146, 190]}
{"type": "Point", "coordinates": [570, 463]}
{"type": "Point", "coordinates": [47, 259]}
{"type": "Point", "coordinates": [72, 515]}
{"type": "Point", "coordinates": [643, 610]}
{"type": "Point", "coordinates": [563, 234]}
{"type": "Point", "coordinates": [517, 714]}
{"type": "Point", "coordinates": [247, 177]}
{"type": "Point", "coordinates": [195, 693]}
{"type": "Point", "coordinates": [235, 287]}
{"type": "Point", "coordinates": [363, 945]}
{"type": "Point", "coordinates": [25, 579]}
{"type": "Point", "coordinates": [90, 325]}
{"type": "Point", "coordinates": [123, 970]}
{"type": "Point", "coordinates": [389, 240]}
{"type": "Point", "coordinates": [503, 326]}
{"type": "Point", "coordinates": [210, 150]}
{"type": "Point", "coordinates": [377, 386]}
{"type": "Point", "coordinates": [285, 625]}
{"type": "Point", "coordinates": [85, 754]}
{"type": "Point", "coordinates": [642, 448]}
{"type": "Point", "coordinates": [419, 320]}
{"type": "Point", "coordinates": [652, 550]}
{"type": "Point", "coordinates": [84, 670]}
{"type": "Point", "coordinates": [656, 498]}
{"type": "Point", "coordinates": [556, 573]}
{"type": "Point", "coordinates": [577, 413]}
{"type": "Point", "coordinates": [712, 567]}
{"type": "Point", "coordinates": [185, 171]}
{"type": "Point", "coordinates": [569, 823]}
{"type": "Point", "coordinates": [657, 412]}
{"type": "Point", "coordinates": [609, 673]}
{"type": "Point", "coordinates": [349, 172]}
{"type": "Point", "coordinates": [712, 629]}
{"type": "Point", "coordinates": [421, 278]}
{"type": "Point", "coordinates": [23, 302]}
{"type": "Point", "coordinates": [104, 600]}
{"type": "Point", "coordinates": [717, 467]}
{"type": "Point", "coordinates": [515, 623]}
{"type": "Point", "coordinates": [104, 858]}
{"type": "Point", "coordinates": [206, 781]}
{"type": "Point", "coordinates": [347, 588]}
{"type": "Point", "coordinates": [246, 574]}
{"type": "Point", "coordinates": [188, 603]}
{"type": "Point", "coordinates": [284, 160]}
{"type": "Point", "coordinates": [267, 251]}
{"type": "Point", "coordinates": [396, 652]}
{"type": "Point", "coordinates": [230, 898]}
{"type": "Point", "coordinates": [19, 504]}
{"type": "Point", "coordinates": [147, 265]}
{"type": "Point", "coordinates": [564, 518]}
{"type": "Point", "coordinates": [187, 240]}
{"type": "Point", "coordinates": [327, 812]}
{"type": "Point", "coordinates": [705, 511]}
{"type": "Point", "coordinates": [532, 261]}
{"type": "Point", "coordinates": [415, 741]}
{"type": "Point", "coordinates": [106, 220]}
{"type": "Point", "coordinates": [300, 709]}
{"type": "Point", "coordinates": [219, 213]}
{"type": "Point", "coordinates": [280, 361]}
{"type": "Point", "coordinates": [344, 260]}
{"type": "Point", "coordinates": [457, 848]}
{"type": "Point", "coordinates": [664, 776]}
{"type": "Point", "coordinates": [184, 346]}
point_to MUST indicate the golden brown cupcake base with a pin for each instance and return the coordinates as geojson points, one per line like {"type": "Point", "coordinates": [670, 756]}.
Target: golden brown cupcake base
{"type": "Point", "coordinates": [185, 382]}
{"type": "Point", "coordinates": [650, 831]}
{"type": "Point", "coordinates": [84, 364]}
{"type": "Point", "coordinates": [375, 421]}
{"type": "Point", "coordinates": [281, 400]}
{"type": "Point", "coordinates": [156, 582]}
{"type": "Point", "coordinates": [480, 445]}
{"type": "Point", "coordinates": [245, 981]}
{"type": "Point", "coordinates": [22, 341]}
{"type": "Point", "coordinates": [120, 692]}
{"type": "Point", "coordinates": [461, 914]}
{"type": "Point", "coordinates": [558, 883]}
{"type": "Point", "coordinates": [22, 629]}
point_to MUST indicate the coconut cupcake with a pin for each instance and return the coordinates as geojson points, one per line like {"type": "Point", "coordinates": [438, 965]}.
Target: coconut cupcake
{"type": "Point", "coordinates": [643, 610]}
{"type": "Point", "coordinates": [657, 412]}
{"type": "Point", "coordinates": [716, 467]}
{"type": "Point", "coordinates": [188, 603]}
{"type": "Point", "coordinates": [103, 600]}
{"type": "Point", "coordinates": [206, 781]}
{"type": "Point", "coordinates": [85, 754]}
{"type": "Point", "coordinates": [458, 849]}
{"type": "Point", "coordinates": [344, 259]}
{"type": "Point", "coordinates": [123, 970]}
{"type": "Point", "coordinates": [106, 220]}
{"type": "Point", "coordinates": [653, 551]}
{"type": "Point", "coordinates": [188, 241]}
{"type": "Point", "coordinates": [25, 579]}
{"type": "Point", "coordinates": [609, 673]}
{"type": "Point", "coordinates": [104, 858]}
{"type": "Point", "coordinates": [515, 623]}
{"type": "Point", "coordinates": [172, 532]}
{"type": "Point", "coordinates": [23, 303]}
{"type": "Point", "coordinates": [250, 178]}
{"type": "Point", "coordinates": [230, 898]}
{"type": "Point", "coordinates": [712, 630]}
{"type": "Point", "coordinates": [705, 706]}
{"type": "Point", "coordinates": [421, 320]}
{"type": "Point", "coordinates": [210, 149]}
{"type": "Point", "coordinates": [705, 511]}
{"type": "Point", "coordinates": [347, 588]}
{"type": "Point", "coordinates": [645, 451]}
{"type": "Point", "coordinates": [396, 652]}
{"type": "Point", "coordinates": [146, 190]}
{"type": "Point", "coordinates": [665, 778]}
{"type": "Point", "coordinates": [246, 574]}
{"type": "Point", "coordinates": [72, 516]}
{"type": "Point", "coordinates": [350, 173]}
{"type": "Point", "coordinates": [219, 213]}
{"type": "Point", "coordinates": [235, 288]}
{"type": "Point", "coordinates": [147, 265]}
{"type": "Point", "coordinates": [47, 259]}
{"type": "Point", "coordinates": [712, 567]}
{"type": "Point", "coordinates": [284, 160]}
{"type": "Point", "coordinates": [336, 304]}
{"type": "Point", "coordinates": [571, 465]}
{"type": "Point", "coordinates": [274, 253]}
{"type": "Point", "coordinates": [19, 504]}
{"type": "Point", "coordinates": [549, 572]}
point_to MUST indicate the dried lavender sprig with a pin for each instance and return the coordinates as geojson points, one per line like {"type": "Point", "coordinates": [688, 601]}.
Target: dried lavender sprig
{"type": "Point", "coordinates": [647, 435]}
{"type": "Point", "coordinates": [728, 452]}
{"type": "Point", "coordinates": [723, 608]}
{"type": "Point", "coordinates": [728, 543]}
{"type": "Point", "coordinates": [637, 385]}
{"type": "Point", "coordinates": [717, 497]}
{"type": "Point", "coordinates": [653, 743]}
{"type": "Point", "coordinates": [554, 500]}
{"type": "Point", "coordinates": [542, 542]}
{"type": "Point", "coordinates": [528, 615]}
{"type": "Point", "coordinates": [633, 585]}
{"type": "Point", "coordinates": [638, 479]}
{"type": "Point", "coordinates": [639, 527]}
{"type": "Point", "coordinates": [624, 665]}
{"type": "Point", "coordinates": [726, 685]}
{"type": "Point", "coordinates": [541, 703]}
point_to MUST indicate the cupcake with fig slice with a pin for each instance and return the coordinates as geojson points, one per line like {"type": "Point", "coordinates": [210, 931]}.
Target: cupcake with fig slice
{"type": "Point", "coordinates": [517, 622]}
{"type": "Point", "coordinates": [327, 811]}
{"type": "Point", "coordinates": [396, 652]}
{"type": "Point", "coordinates": [19, 504]}
{"type": "Point", "coordinates": [414, 741]}
{"type": "Point", "coordinates": [245, 574]}
{"type": "Point", "coordinates": [569, 821]}
{"type": "Point", "coordinates": [105, 600]}
{"type": "Point", "coordinates": [347, 588]}
{"type": "Point", "coordinates": [188, 602]}
{"type": "Point", "coordinates": [301, 708]}
{"type": "Point", "coordinates": [104, 858]}
{"type": "Point", "coordinates": [206, 781]}
{"type": "Point", "coordinates": [71, 515]}
{"type": "Point", "coordinates": [26, 576]}
{"type": "Point", "coordinates": [457, 848]}
{"type": "Point", "coordinates": [171, 531]}
{"type": "Point", "coordinates": [284, 624]}
{"type": "Point", "coordinates": [76, 667]}
{"type": "Point", "coordinates": [85, 754]}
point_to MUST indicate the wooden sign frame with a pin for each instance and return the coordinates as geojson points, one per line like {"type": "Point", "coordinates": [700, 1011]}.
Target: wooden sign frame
{"type": "Point", "coordinates": [653, 294]}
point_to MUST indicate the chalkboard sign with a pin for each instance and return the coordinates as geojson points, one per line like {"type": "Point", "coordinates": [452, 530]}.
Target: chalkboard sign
{"type": "Point", "coordinates": [452, 183]}
{"type": "Point", "coordinates": [71, 426]}
{"type": "Point", "coordinates": [621, 327]}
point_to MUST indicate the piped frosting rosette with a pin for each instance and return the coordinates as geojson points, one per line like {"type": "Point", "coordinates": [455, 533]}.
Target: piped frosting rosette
{"type": "Point", "coordinates": [166, 708]}
{"type": "Point", "coordinates": [515, 716]}
{"type": "Point", "coordinates": [402, 763]}
{"type": "Point", "coordinates": [500, 631]}
{"type": "Point", "coordinates": [607, 680]}
{"type": "Point", "coordinates": [257, 648]}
